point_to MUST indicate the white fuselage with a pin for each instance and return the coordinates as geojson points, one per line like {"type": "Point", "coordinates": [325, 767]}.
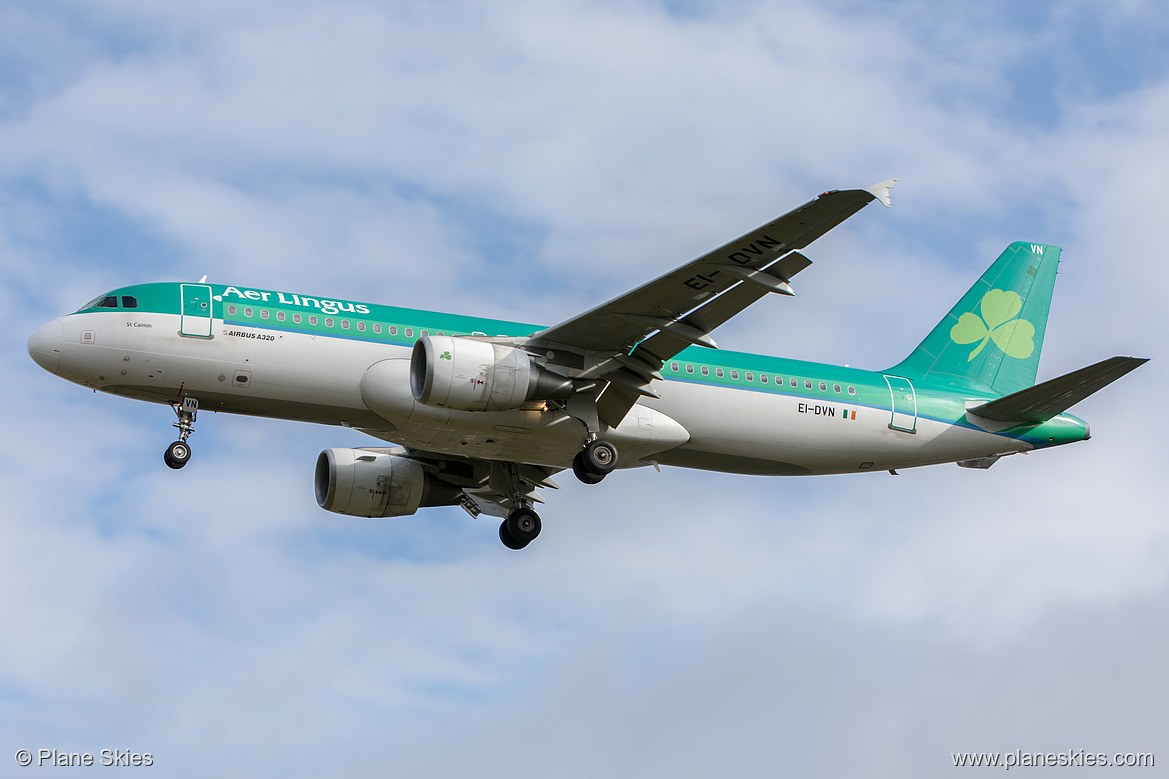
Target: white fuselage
{"type": "Point", "coordinates": [364, 385]}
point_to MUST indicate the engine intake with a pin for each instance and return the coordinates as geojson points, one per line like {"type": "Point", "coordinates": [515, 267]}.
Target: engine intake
{"type": "Point", "coordinates": [376, 483]}
{"type": "Point", "coordinates": [470, 375]}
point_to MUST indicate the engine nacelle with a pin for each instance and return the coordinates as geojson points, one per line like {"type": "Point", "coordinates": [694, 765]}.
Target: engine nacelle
{"type": "Point", "coordinates": [376, 483]}
{"type": "Point", "coordinates": [470, 375]}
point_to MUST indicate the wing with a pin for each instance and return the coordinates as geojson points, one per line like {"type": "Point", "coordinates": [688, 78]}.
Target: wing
{"type": "Point", "coordinates": [613, 342]}
{"type": "Point", "coordinates": [618, 325]}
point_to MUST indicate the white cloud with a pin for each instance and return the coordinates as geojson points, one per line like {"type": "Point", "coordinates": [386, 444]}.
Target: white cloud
{"type": "Point", "coordinates": [526, 162]}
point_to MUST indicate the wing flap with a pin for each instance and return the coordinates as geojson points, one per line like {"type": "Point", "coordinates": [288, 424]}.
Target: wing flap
{"type": "Point", "coordinates": [664, 344]}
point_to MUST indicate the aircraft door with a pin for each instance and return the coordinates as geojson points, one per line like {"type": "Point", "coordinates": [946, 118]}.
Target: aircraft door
{"type": "Point", "coordinates": [904, 404]}
{"type": "Point", "coordinates": [195, 316]}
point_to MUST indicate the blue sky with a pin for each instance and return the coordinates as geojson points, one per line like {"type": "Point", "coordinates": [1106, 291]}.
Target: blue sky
{"type": "Point", "coordinates": [527, 161]}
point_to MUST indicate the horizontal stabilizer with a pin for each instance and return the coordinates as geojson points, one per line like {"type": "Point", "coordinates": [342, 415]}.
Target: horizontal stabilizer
{"type": "Point", "coordinates": [1051, 398]}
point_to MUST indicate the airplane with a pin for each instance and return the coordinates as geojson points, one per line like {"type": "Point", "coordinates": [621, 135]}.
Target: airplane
{"type": "Point", "coordinates": [481, 413]}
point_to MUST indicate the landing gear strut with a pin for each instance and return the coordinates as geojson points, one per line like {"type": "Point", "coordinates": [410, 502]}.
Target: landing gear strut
{"type": "Point", "coordinates": [179, 452]}
{"type": "Point", "coordinates": [520, 528]}
{"type": "Point", "coordinates": [596, 461]}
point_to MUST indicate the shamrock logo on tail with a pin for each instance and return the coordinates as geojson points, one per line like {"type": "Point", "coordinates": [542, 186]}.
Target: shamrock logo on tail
{"type": "Point", "coordinates": [998, 323]}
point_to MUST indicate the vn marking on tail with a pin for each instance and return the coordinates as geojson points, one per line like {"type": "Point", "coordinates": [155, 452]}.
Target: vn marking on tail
{"type": "Point", "coordinates": [1037, 250]}
{"type": "Point", "coordinates": [998, 323]}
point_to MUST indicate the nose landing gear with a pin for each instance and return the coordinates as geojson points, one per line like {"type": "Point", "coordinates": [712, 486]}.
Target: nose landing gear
{"type": "Point", "coordinates": [179, 452]}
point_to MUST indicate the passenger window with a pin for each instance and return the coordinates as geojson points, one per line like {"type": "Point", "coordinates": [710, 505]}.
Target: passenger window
{"type": "Point", "coordinates": [705, 371]}
{"type": "Point", "coordinates": [393, 329]}
{"type": "Point", "coordinates": [409, 332]}
{"type": "Point", "coordinates": [795, 383]}
{"type": "Point", "coordinates": [328, 321]}
{"type": "Point", "coordinates": [231, 310]}
{"type": "Point", "coordinates": [735, 375]}
{"type": "Point", "coordinates": [718, 372]}
{"type": "Point", "coordinates": [296, 318]}
{"type": "Point", "coordinates": [674, 367]}
{"type": "Point", "coordinates": [750, 376]}
{"type": "Point", "coordinates": [248, 312]}
{"type": "Point", "coordinates": [344, 324]}
{"type": "Point", "coordinates": [823, 387]}
{"type": "Point", "coordinates": [312, 319]}
{"type": "Point", "coordinates": [377, 328]}
{"type": "Point", "coordinates": [423, 333]}
{"type": "Point", "coordinates": [129, 301]}
{"type": "Point", "coordinates": [280, 316]}
{"type": "Point", "coordinates": [763, 377]}
{"type": "Point", "coordinates": [807, 384]}
{"type": "Point", "coordinates": [263, 313]}
{"type": "Point", "coordinates": [361, 327]}
{"type": "Point", "coordinates": [852, 390]}
{"type": "Point", "coordinates": [836, 388]}
{"type": "Point", "coordinates": [109, 301]}
{"type": "Point", "coordinates": [690, 369]}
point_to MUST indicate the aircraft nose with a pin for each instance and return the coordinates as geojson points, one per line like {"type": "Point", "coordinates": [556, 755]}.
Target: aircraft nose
{"type": "Point", "coordinates": [44, 346]}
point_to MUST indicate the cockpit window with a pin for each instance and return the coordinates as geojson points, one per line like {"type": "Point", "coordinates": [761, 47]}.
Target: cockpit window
{"type": "Point", "coordinates": [109, 301]}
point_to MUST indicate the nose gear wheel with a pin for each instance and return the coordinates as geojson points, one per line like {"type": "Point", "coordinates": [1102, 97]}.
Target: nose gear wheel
{"type": "Point", "coordinates": [179, 453]}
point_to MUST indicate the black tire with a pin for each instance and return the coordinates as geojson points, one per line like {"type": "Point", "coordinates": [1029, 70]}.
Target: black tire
{"type": "Point", "coordinates": [506, 537]}
{"type": "Point", "coordinates": [599, 456]}
{"type": "Point", "coordinates": [177, 455]}
{"type": "Point", "coordinates": [582, 473]}
{"type": "Point", "coordinates": [523, 525]}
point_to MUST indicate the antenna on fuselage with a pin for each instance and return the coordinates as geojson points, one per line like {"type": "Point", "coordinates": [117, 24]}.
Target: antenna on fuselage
{"type": "Point", "coordinates": [204, 279]}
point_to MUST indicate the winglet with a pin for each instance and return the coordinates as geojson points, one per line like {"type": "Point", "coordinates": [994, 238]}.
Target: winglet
{"type": "Point", "coordinates": [881, 191]}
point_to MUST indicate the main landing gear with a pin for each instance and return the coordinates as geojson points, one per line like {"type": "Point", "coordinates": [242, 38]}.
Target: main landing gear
{"type": "Point", "coordinates": [179, 452]}
{"type": "Point", "coordinates": [596, 461]}
{"type": "Point", "coordinates": [520, 528]}
{"type": "Point", "coordinates": [592, 464]}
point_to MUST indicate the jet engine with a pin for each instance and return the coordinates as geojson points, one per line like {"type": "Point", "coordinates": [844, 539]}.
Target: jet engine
{"type": "Point", "coordinates": [470, 375]}
{"type": "Point", "coordinates": [377, 483]}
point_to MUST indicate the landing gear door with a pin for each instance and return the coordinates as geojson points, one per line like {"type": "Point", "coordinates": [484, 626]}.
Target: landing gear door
{"type": "Point", "coordinates": [904, 404]}
{"type": "Point", "coordinates": [195, 318]}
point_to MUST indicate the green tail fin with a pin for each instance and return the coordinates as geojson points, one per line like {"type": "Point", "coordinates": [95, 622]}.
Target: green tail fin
{"type": "Point", "coordinates": [993, 337]}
